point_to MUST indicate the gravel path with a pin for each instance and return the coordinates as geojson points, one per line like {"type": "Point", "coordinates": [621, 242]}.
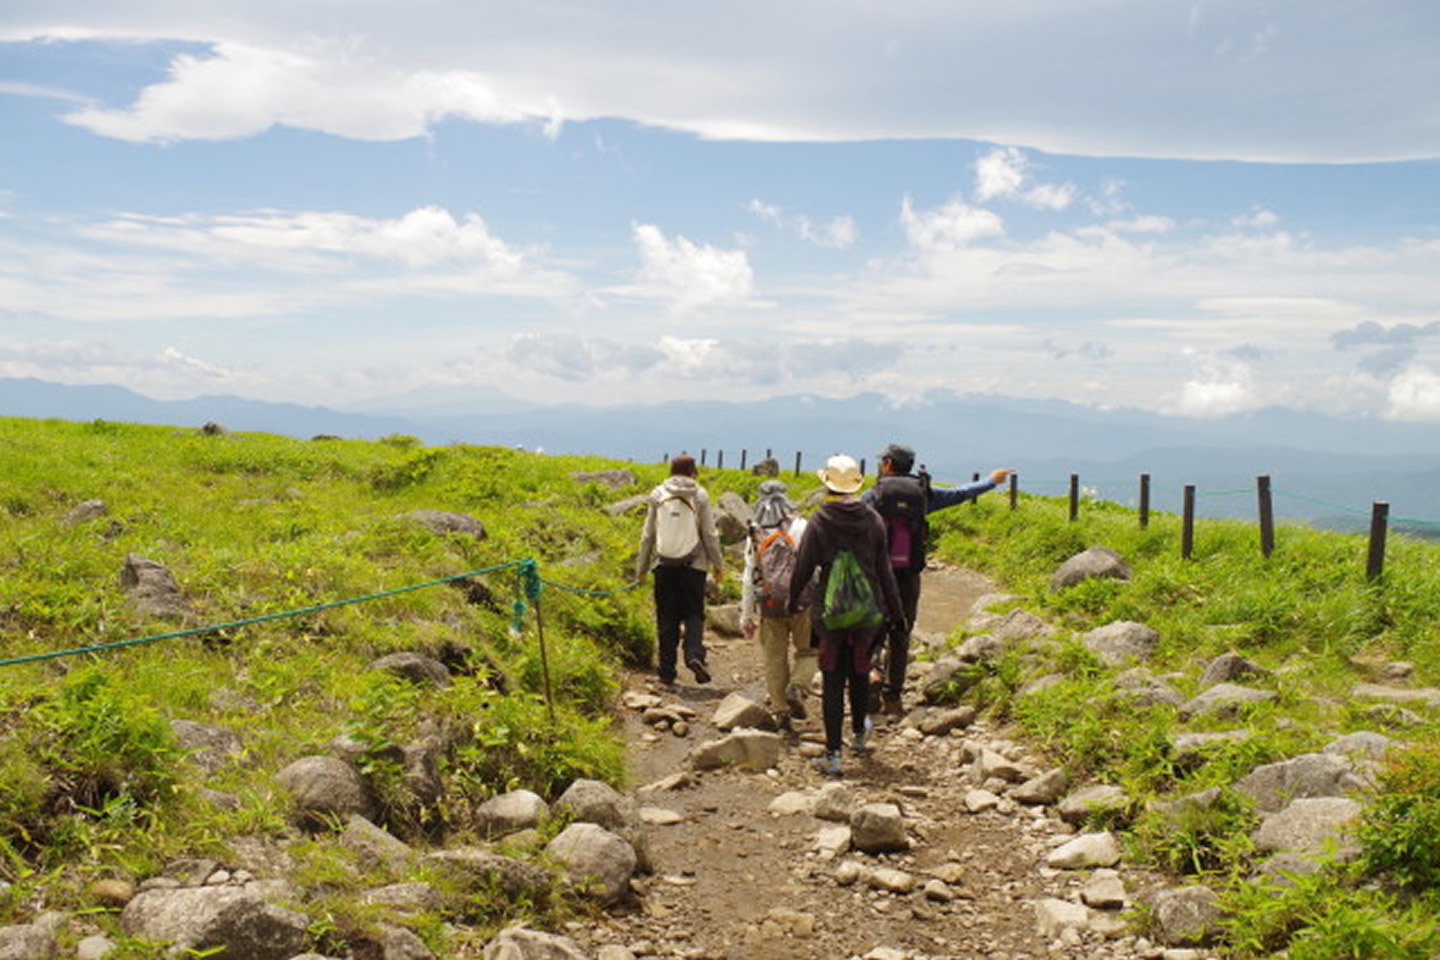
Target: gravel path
{"type": "Point", "coordinates": [732, 879]}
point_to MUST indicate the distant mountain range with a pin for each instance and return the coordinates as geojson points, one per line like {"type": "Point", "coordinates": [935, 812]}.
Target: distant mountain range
{"type": "Point", "coordinates": [1324, 470]}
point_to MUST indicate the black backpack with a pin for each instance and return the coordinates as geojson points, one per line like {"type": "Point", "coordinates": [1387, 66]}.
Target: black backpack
{"type": "Point", "coordinates": [903, 503]}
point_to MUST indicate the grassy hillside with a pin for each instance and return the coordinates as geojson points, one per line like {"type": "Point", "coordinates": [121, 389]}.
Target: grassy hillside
{"type": "Point", "coordinates": [253, 527]}
{"type": "Point", "coordinates": [1312, 620]}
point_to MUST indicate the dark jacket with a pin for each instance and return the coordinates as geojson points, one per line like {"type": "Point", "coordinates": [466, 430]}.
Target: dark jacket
{"type": "Point", "coordinates": [839, 525]}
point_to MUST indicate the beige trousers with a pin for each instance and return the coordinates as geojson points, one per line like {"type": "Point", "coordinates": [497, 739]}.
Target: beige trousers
{"type": "Point", "coordinates": [778, 637]}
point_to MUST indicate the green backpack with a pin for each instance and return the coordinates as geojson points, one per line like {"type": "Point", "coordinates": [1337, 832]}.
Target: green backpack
{"type": "Point", "coordinates": [850, 602]}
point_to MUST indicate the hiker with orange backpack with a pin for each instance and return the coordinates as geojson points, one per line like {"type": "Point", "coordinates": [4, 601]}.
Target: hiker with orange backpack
{"type": "Point", "coordinates": [680, 545]}
{"type": "Point", "coordinates": [770, 554]}
{"type": "Point", "coordinates": [855, 597]}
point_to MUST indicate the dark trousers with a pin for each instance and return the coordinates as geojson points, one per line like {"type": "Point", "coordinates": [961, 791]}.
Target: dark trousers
{"type": "Point", "coordinates": [845, 678]}
{"type": "Point", "coordinates": [897, 656]}
{"type": "Point", "coordinates": [679, 603]}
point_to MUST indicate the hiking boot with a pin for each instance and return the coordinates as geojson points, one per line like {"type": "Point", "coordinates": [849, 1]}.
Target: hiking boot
{"type": "Point", "coordinates": [892, 707]}
{"type": "Point", "coordinates": [858, 744]}
{"type": "Point", "coordinates": [697, 667]}
{"type": "Point", "coordinates": [796, 702]}
{"type": "Point", "coordinates": [829, 765]}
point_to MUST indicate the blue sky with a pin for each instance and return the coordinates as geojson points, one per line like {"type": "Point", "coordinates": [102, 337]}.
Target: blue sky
{"type": "Point", "coordinates": [1195, 207]}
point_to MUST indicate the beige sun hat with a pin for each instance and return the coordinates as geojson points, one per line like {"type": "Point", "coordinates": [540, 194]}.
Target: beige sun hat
{"type": "Point", "coordinates": [841, 474]}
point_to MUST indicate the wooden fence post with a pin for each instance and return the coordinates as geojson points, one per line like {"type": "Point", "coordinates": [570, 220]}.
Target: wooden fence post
{"type": "Point", "coordinates": [1267, 516]}
{"type": "Point", "coordinates": [1014, 490]}
{"type": "Point", "coordinates": [862, 467]}
{"type": "Point", "coordinates": [719, 459]}
{"type": "Point", "coordinates": [1379, 520]}
{"type": "Point", "coordinates": [703, 451]}
{"type": "Point", "coordinates": [1187, 524]}
{"type": "Point", "coordinates": [743, 454]}
{"type": "Point", "coordinates": [1074, 496]}
{"type": "Point", "coordinates": [1144, 501]}
{"type": "Point", "coordinates": [797, 463]}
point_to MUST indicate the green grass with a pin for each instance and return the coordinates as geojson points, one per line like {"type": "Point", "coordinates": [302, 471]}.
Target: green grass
{"type": "Point", "coordinates": [1310, 617]}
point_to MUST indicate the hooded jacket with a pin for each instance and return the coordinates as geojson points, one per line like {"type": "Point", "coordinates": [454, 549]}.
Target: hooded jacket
{"type": "Point", "coordinates": [689, 490]}
{"type": "Point", "coordinates": [840, 525]}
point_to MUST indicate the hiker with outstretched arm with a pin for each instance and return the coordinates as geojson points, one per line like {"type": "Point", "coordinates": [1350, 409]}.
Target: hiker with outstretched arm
{"type": "Point", "coordinates": [679, 545]}
{"type": "Point", "coordinates": [770, 552]}
{"type": "Point", "coordinates": [854, 597]}
{"type": "Point", "coordinates": [904, 500]}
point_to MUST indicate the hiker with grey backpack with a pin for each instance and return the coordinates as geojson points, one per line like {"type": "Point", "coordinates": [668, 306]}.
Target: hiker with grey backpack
{"type": "Point", "coordinates": [770, 554]}
{"type": "Point", "coordinates": [679, 545]}
{"type": "Point", "coordinates": [855, 597]}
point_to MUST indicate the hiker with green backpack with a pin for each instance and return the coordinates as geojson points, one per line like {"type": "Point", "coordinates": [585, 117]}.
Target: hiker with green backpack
{"type": "Point", "coordinates": [856, 597]}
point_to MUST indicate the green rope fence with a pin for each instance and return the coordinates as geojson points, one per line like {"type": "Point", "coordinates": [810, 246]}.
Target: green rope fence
{"type": "Point", "coordinates": [528, 574]}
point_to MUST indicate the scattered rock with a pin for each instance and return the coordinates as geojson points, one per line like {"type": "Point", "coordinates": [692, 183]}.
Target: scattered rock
{"type": "Point", "coordinates": [1094, 563]}
{"type": "Point", "coordinates": [1186, 915]}
{"type": "Point", "coordinates": [1085, 851]}
{"type": "Point", "coordinates": [511, 812]}
{"type": "Point", "coordinates": [415, 667]}
{"type": "Point", "coordinates": [1225, 700]}
{"type": "Point", "coordinates": [597, 862]}
{"type": "Point", "coordinates": [1119, 643]}
{"type": "Point", "coordinates": [1228, 667]}
{"type": "Point", "coordinates": [442, 522]}
{"type": "Point", "coordinates": [325, 787]}
{"type": "Point", "coordinates": [878, 828]}
{"type": "Point", "coordinates": [1312, 825]}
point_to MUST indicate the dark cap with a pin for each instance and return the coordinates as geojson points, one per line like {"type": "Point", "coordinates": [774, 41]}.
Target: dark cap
{"type": "Point", "coordinates": [901, 456]}
{"type": "Point", "coordinates": [683, 466]}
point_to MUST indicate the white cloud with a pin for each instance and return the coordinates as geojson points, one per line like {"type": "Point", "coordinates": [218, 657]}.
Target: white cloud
{"type": "Point", "coordinates": [1095, 79]}
{"type": "Point", "coordinates": [172, 357]}
{"type": "Point", "coordinates": [999, 173]}
{"type": "Point", "coordinates": [768, 212]}
{"type": "Point", "coordinates": [1259, 219]}
{"type": "Point", "coordinates": [954, 225]}
{"type": "Point", "coordinates": [1047, 196]}
{"type": "Point", "coordinates": [839, 233]}
{"type": "Point", "coordinates": [1218, 387]}
{"type": "Point", "coordinates": [1004, 172]}
{"type": "Point", "coordinates": [327, 86]}
{"type": "Point", "coordinates": [689, 275]}
{"type": "Point", "coordinates": [1414, 395]}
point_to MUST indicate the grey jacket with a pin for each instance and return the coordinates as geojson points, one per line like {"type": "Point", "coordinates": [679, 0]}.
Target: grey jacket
{"type": "Point", "coordinates": [688, 489]}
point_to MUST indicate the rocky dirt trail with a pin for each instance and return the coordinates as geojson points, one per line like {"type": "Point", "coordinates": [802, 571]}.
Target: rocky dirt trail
{"type": "Point", "coordinates": [744, 868]}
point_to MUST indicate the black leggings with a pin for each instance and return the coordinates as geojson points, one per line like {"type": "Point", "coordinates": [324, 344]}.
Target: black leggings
{"type": "Point", "coordinates": [836, 683]}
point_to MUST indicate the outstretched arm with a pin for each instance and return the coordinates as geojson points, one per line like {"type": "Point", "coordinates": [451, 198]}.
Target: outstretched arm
{"type": "Point", "coordinates": [942, 497]}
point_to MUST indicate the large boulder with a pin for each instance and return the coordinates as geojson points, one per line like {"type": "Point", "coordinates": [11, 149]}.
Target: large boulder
{"type": "Point", "coordinates": [1117, 644]}
{"type": "Point", "coordinates": [414, 667]}
{"type": "Point", "coordinates": [210, 748]}
{"type": "Point", "coordinates": [323, 787]}
{"type": "Point", "coordinates": [750, 749]}
{"type": "Point", "coordinates": [152, 589]}
{"type": "Point", "coordinates": [1225, 700]}
{"type": "Point", "coordinates": [441, 521]}
{"type": "Point", "coordinates": [732, 517]}
{"type": "Point", "coordinates": [510, 813]}
{"type": "Point", "coordinates": [232, 919]}
{"type": "Point", "coordinates": [1094, 563]}
{"type": "Point", "coordinates": [1186, 916]}
{"type": "Point", "coordinates": [1273, 785]}
{"type": "Point", "coordinates": [474, 869]}
{"type": "Point", "coordinates": [1312, 825]}
{"type": "Point", "coordinates": [597, 862]}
